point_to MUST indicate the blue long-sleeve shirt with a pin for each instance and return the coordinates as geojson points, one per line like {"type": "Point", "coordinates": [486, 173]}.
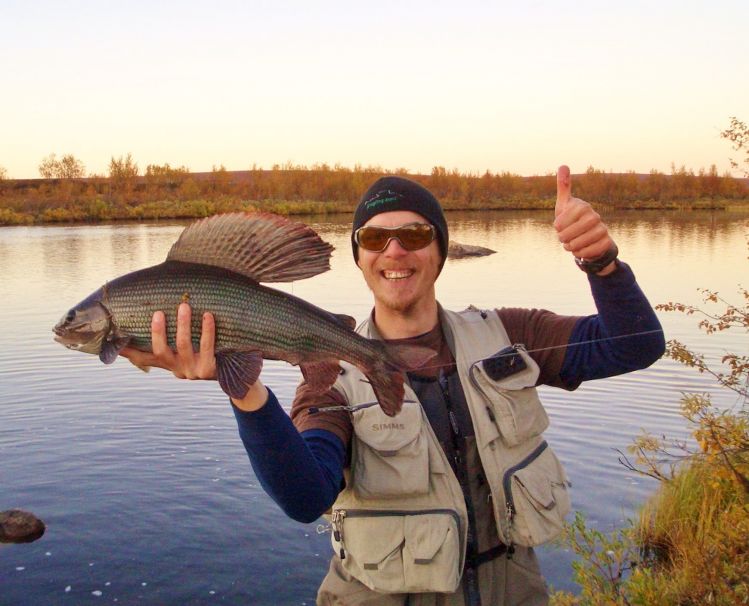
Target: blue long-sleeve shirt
{"type": "Point", "coordinates": [303, 472]}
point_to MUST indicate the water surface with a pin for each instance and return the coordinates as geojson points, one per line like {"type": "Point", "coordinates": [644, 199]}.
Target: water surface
{"type": "Point", "coordinates": [142, 480]}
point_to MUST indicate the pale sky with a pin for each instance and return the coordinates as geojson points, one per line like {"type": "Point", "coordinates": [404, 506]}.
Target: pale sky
{"type": "Point", "coordinates": [519, 87]}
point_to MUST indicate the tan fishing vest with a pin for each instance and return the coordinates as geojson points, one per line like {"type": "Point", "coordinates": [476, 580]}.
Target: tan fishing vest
{"type": "Point", "coordinates": [400, 524]}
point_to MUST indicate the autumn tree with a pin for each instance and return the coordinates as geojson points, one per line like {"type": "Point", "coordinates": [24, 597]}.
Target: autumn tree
{"type": "Point", "coordinates": [162, 180]}
{"type": "Point", "coordinates": [67, 167]}
{"type": "Point", "coordinates": [123, 172]}
{"type": "Point", "coordinates": [738, 134]}
{"type": "Point", "coordinates": [3, 173]}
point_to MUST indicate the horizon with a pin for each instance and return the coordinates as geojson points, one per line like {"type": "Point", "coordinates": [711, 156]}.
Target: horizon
{"type": "Point", "coordinates": [409, 86]}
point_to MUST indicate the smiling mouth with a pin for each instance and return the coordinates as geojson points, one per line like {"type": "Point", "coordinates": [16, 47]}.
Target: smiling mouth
{"type": "Point", "coordinates": [401, 274]}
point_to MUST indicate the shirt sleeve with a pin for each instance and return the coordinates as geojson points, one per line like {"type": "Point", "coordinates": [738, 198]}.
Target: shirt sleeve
{"type": "Point", "coordinates": [544, 334]}
{"type": "Point", "coordinates": [309, 412]}
{"type": "Point", "coordinates": [624, 335]}
{"type": "Point", "coordinates": [302, 473]}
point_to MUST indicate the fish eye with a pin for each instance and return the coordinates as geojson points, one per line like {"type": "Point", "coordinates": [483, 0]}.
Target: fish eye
{"type": "Point", "coordinates": [71, 316]}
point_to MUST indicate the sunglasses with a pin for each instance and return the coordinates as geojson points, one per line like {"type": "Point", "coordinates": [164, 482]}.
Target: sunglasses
{"type": "Point", "coordinates": [412, 236]}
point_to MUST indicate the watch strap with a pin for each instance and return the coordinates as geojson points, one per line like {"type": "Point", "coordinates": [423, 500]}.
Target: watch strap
{"type": "Point", "coordinates": [593, 266]}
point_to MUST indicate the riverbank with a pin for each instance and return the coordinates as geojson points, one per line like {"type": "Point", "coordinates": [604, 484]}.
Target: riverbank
{"type": "Point", "coordinates": [167, 193]}
{"type": "Point", "coordinates": [100, 210]}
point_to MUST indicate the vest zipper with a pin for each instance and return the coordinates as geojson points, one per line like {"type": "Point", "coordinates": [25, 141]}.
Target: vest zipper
{"type": "Point", "coordinates": [507, 480]}
{"type": "Point", "coordinates": [472, 594]}
{"type": "Point", "coordinates": [336, 522]}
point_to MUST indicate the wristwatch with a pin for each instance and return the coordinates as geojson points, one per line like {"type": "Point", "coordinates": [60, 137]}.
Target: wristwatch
{"type": "Point", "coordinates": [593, 266]}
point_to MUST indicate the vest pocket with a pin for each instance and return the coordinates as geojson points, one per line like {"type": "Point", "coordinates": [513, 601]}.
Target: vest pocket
{"type": "Point", "coordinates": [537, 497]}
{"type": "Point", "coordinates": [390, 458]}
{"type": "Point", "coordinates": [512, 404]}
{"type": "Point", "coordinates": [399, 551]}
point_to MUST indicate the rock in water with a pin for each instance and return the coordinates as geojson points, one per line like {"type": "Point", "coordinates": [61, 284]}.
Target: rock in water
{"type": "Point", "coordinates": [18, 526]}
{"type": "Point", "coordinates": [456, 250]}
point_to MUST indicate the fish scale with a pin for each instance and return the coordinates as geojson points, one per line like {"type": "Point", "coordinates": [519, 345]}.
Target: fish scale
{"type": "Point", "coordinates": [247, 313]}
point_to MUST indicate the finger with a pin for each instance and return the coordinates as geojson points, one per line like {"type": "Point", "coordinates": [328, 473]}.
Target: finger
{"type": "Point", "coordinates": [158, 336]}
{"type": "Point", "coordinates": [576, 220]}
{"type": "Point", "coordinates": [139, 358]}
{"type": "Point", "coordinates": [564, 188]}
{"type": "Point", "coordinates": [183, 339]}
{"type": "Point", "coordinates": [207, 347]}
{"type": "Point", "coordinates": [596, 239]}
{"type": "Point", "coordinates": [142, 359]}
{"type": "Point", "coordinates": [595, 250]}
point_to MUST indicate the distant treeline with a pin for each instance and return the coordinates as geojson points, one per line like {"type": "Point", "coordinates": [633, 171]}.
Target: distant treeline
{"type": "Point", "coordinates": [167, 192]}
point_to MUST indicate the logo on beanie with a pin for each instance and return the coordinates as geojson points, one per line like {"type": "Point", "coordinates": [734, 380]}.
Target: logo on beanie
{"type": "Point", "coordinates": [384, 196]}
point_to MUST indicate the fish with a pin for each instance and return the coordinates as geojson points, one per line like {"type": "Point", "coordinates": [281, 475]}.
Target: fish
{"type": "Point", "coordinates": [217, 265]}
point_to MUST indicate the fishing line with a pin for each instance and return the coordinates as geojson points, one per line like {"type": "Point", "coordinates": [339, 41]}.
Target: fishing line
{"type": "Point", "coordinates": [350, 408]}
{"type": "Point", "coordinates": [550, 347]}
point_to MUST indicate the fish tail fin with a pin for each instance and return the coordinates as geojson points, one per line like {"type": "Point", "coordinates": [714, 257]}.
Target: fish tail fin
{"type": "Point", "coordinates": [388, 376]}
{"type": "Point", "coordinates": [387, 384]}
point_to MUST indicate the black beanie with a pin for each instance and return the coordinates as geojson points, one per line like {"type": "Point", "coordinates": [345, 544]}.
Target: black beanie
{"type": "Point", "coordinates": [396, 193]}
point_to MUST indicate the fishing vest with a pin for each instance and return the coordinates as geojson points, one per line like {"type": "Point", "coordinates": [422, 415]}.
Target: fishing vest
{"type": "Point", "coordinates": [400, 525]}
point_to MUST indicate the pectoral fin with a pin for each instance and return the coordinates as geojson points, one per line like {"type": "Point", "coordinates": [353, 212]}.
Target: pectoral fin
{"type": "Point", "coordinates": [238, 371]}
{"type": "Point", "coordinates": [112, 347]}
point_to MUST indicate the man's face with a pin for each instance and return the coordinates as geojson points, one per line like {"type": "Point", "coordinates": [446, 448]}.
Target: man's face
{"type": "Point", "coordinates": [400, 280]}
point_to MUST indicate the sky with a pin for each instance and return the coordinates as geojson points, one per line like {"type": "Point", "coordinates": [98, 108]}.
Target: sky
{"type": "Point", "coordinates": [473, 86]}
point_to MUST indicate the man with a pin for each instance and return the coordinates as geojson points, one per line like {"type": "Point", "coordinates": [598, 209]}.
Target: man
{"type": "Point", "coordinates": [443, 503]}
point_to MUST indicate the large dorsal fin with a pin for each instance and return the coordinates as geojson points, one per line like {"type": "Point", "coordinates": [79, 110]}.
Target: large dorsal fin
{"type": "Point", "coordinates": [263, 246]}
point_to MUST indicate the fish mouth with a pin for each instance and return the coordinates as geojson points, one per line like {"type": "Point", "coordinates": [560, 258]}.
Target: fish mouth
{"type": "Point", "coordinates": [65, 340]}
{"type": "Point", "coordinates": [61, 334]}
{"type": "Point", "coordinates": [68, 337]}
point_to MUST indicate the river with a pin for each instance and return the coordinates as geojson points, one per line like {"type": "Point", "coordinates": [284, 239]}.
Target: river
{"type": "Point", "coordinates": [143, 483]}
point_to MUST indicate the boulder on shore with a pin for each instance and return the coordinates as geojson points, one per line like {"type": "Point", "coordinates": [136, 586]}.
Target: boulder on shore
{"type": "Point", "coordinates": [455, 250]}
{"type": "Point", "coordinates": [18, 526]}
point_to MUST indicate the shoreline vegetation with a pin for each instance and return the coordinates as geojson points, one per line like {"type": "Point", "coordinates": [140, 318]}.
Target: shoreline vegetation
{"type": "Point", "coordinates": [164, 192]}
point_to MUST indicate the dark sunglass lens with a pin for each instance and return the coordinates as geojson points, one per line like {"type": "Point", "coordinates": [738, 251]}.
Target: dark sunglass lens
{"type": "Point", "coordinates": [373, 238]}
{"type": "Point", "coordinates": [415, 237]}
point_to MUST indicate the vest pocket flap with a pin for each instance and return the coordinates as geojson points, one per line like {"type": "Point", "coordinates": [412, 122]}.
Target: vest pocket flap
{"type": "Point", "coordinates": [512, 404]}
{"type": "Point", "coordinates": [519, 380]}
{"type": "Point", "coordinates": [400, 551]}
{"type": "Point", "coordinates": [387, 434]}
{"type": "Point", "coordinates": [537, 491]}
{"type": "Point", "coordinates": [536, 487]}
{"type": "Point", "coordinates": [374, 549]}
{"type": "Point", "coordinates": [425, 536]}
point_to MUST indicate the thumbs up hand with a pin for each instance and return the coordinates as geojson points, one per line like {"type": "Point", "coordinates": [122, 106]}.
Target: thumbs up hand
{"type": "Point", "coordinates": [580, 228]}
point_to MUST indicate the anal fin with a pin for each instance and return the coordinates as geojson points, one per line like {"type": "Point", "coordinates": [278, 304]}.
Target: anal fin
{"type": "Point", "coordinates": [319, 376]}
{"type": "Point", "coordinates": [238, 371]}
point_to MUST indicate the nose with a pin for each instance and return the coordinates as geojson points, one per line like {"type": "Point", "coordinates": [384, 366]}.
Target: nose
{"type": "Point", "coordinates": [394, 248]}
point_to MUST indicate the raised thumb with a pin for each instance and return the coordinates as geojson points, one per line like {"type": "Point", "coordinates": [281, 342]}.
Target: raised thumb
{"type": "Point", "coordinates": [564, 189]}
